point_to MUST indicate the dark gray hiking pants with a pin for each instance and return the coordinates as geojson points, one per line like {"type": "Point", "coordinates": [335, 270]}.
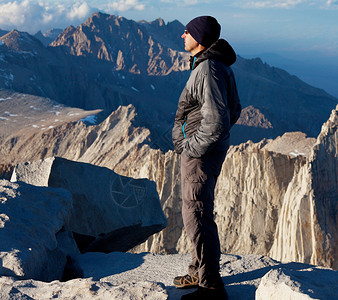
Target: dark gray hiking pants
{"type": "Point", "coordinates": [198, 180]}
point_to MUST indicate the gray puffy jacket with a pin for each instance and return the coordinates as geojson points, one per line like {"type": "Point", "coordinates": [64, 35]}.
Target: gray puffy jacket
{"type": "Point", "coordinates": [209, 104]}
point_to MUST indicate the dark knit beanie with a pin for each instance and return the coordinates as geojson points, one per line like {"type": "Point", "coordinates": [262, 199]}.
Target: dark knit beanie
{"type": "Point", "coordinates": [205, 30]}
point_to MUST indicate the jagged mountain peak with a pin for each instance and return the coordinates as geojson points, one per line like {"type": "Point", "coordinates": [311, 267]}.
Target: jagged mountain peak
{"type": "Point", "coordinates": [21, 41]}
{"type": "Point", "coordinates": [107, 48]}
{"type": "Point", "coordinates": [168, 34]}
{"type": "Point", "coordinates": [38, 34]}
{"type": "Point", "coordinates": [64, 38]}
{"type": "Point", "coordinates": [158, 22]}
{"type": "Point", "coordinates": [52, 33]}
{"type": "Point", "coordinates": [18, 34]}
{"type": "Point", "coordinates": [176, 24]}
{"type": "Point", "coordinates": [69, 30]}
{"type": "Point", "coordinates": [137, 47]}
{"type": "Point", "coordinates": [101, 20]}
{"type": "Point", "coordinates": [253, 117]}
{"type": "Point", "coordinates": [49, 36]}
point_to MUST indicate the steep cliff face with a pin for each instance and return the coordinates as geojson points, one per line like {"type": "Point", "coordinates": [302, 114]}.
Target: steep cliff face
{"type": "Point", "coordinates": [308, 224]}
{"type": "Point", "coordinates": [248, 198]}
{"type": "Point", "coordinates": [275, 197]}
{"type": "Point", "coordinates": [324, 167]}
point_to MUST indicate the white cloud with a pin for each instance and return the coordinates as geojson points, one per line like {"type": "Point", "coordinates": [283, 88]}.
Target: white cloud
{"type": "Point", "coordinates": [332, 2]}
{"type": "Point", "coordinates": [34, 15]}
{"type": "Point", "coordinates": [273, 3]}
{"type": "Point", "coordinates": [31, 15]}
{"type": "Point", "coordinates": [124, 5]}
{"type": "Point", "coordinates": [17, 13]}
{"type": "Point", "coordinates": [180, 3]}
{"type": "Point", "coordinates": [79, 11]}
{"type": "Point", "coordinates": [190, 2]}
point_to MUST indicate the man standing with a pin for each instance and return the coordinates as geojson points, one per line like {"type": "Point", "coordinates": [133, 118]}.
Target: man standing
{"type": "Point", "coordinates": [208, 107]}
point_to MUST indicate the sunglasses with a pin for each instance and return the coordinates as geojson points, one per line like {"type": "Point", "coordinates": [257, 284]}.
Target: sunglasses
{"type": "Point", "coordinates": [186, 32]}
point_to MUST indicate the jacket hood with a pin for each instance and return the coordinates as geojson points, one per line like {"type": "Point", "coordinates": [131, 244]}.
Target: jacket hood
{"type": "Point", "coordinates": [220, 50]}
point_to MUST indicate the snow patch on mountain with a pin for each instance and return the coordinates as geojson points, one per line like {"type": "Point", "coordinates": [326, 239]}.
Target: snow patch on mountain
{"type": "Point", "coordinates": [90, 119]}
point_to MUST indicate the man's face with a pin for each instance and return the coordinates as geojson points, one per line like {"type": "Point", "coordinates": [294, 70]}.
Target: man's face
{"type": "Point", "coordinates": [190, 43]}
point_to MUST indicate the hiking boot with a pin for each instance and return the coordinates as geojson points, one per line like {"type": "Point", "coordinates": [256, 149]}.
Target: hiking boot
{"type": "Point", "coordinates": [207, 294]}
{"type": "Point", "coordinates": [186, 281]}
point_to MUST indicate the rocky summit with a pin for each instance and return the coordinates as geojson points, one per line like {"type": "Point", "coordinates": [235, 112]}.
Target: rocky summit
{"type": "Point", "coordinates": [147, 276]}
{"type": "Point", "coordinates": [45, 262]}
{"type": "Point", "coordinates": [268, 194]}
{"type": "Point", "coordinates": [90, 202]}
{"type": "Point", "coordinates": [139, 47]}
{"type": "Point", "coordinates": [31, 231]}
{"type": "Point", "coordinates": [270, 199]}
{"type": "Point", "coordinates": [129, 209]}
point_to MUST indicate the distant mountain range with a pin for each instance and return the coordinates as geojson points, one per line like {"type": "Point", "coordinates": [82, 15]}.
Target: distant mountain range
{"type": "Point", "coordinates": [49, 36]}
{"type": "Point", "coordinates": [320, 72]}
{"type": "Point", "coordinates": [110, 61]}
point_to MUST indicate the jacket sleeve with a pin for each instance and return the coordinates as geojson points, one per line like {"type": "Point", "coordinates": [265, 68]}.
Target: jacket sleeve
{"type": "Point", "coordinates": [215, 124]}
{"type": "Point", "coordinates": [177, 132]}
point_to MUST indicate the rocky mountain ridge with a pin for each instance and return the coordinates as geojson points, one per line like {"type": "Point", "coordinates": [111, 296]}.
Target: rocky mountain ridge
{"type": "Point", "coordinates": [267, 186]}
{"type": "Point", "coordinates": [118, 274]}
{"type": "Point", "coordinates": [253, 276]}
{"type": "Point", "coordinates": [22, 42]}
{"type": "Point", "coordinates": [281, 204]}
{"type": "Point", "coordinates": [109, 61]}
{"type": "Point", "coordinates": [128, 45]}
{"type": "Point", "coordinates": [49, 36]}
{"type": "Point", "coordinates": [273, 182]}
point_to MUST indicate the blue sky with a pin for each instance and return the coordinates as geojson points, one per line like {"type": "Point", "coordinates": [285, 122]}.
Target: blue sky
{"type": "Point", "coordinates": [296, 29]}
